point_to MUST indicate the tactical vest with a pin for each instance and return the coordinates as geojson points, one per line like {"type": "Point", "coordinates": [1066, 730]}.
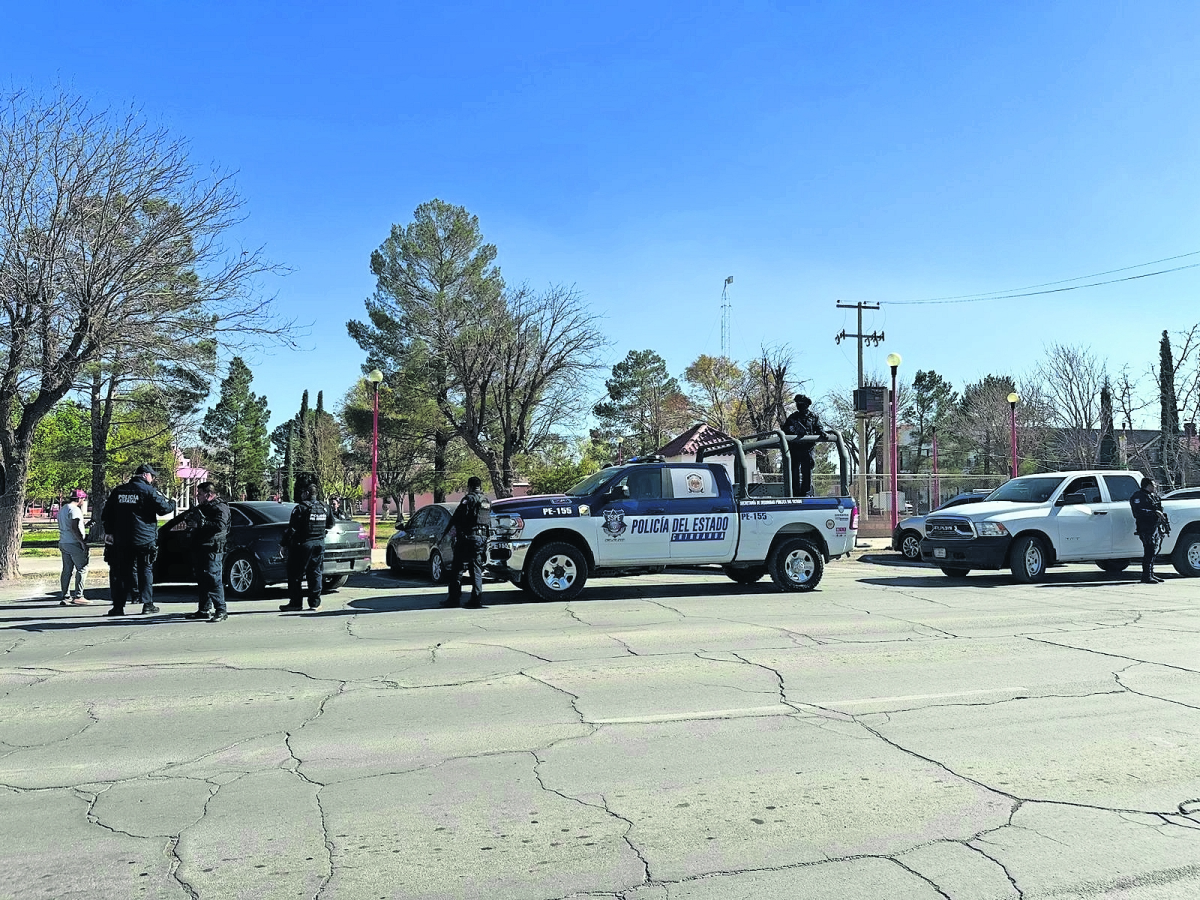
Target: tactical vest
{"type": "Point", "coordinates": [313, 528]}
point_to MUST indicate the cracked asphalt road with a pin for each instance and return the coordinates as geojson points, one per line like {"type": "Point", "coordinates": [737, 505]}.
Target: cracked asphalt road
{"type": "Point", "coordinates": [894, 734]}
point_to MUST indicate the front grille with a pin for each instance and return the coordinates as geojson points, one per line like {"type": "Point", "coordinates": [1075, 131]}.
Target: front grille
{"type": "Point", "coordinates": [949, 528]}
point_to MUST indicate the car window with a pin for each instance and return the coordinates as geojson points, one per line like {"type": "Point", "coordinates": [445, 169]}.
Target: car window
{"type": "Point", "coordinates": [1087, 486]}
{"type": "Point", "coordinates": [438, 517]}
{"type": "Point", "coordinates": [238, 519]}
{"type": "Point", "coordinates": [1121, 487]}
{"type": "Point", "coordinates": [693, 483]}
{"type": "Point", "coordinates": [643, 484]}
{"type": "Point", "coordinates": [420, 519]}
{"type": "Point", "coordinates": [1030, 489]}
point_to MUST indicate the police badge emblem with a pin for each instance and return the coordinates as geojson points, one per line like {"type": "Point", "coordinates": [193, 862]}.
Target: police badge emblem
{"type": "Point", "coordinates": [614, 522]}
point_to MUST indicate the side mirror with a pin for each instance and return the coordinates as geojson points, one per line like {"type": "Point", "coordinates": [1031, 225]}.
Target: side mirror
{"type": "Point", "coordinates": [620, 492]}
{"type": "Point", "coordinates": [1070, 500]}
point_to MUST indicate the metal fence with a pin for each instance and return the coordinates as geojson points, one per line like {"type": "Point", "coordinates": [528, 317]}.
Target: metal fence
{"type": "Point", "coordinates": [916, 493]}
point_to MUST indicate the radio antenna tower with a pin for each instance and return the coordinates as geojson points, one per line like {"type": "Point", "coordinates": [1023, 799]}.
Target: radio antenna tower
{"type": "Point", "coordinates": [725, 306]}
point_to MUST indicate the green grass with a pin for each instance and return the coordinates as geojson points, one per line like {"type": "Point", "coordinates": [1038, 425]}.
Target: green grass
{"type": "Point", "coordinates": [38, 551]}
{"type": "Point", "coordinates": [40, 536]}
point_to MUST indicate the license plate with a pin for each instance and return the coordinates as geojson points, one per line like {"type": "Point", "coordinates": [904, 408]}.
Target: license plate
{"type": "Point", "coordinates": [939, 552]}
{"type": "Point", "coordinates": [501, 545]}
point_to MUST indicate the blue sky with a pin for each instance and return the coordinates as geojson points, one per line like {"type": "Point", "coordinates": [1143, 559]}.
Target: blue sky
{"type": "Point", "coordinates": [817, 152]}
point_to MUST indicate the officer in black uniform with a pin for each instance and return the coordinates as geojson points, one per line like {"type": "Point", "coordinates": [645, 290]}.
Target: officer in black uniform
{"type": "Point", "coordinates": [1148, 519]}
{"type": "Point", "coordinates": [801, 423]}
{"type": "Point", "coordinates": [470, 526]}
{"type": "Point", "coordinates": [208, 523]}
{"type": "Point", "coordinates": [131, 517]}
{"type": "Point", "coordinates": [304, 539]}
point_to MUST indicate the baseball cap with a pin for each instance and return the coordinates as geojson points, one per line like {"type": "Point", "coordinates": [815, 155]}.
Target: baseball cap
{"type": "Point", "coordinates": [146, 469]}
{"type": "Point", "coordinates": [78, 494]}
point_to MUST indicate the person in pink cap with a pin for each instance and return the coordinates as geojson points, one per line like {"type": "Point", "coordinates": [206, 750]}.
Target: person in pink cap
{"type": "Point", "coordinates": [73, 546]}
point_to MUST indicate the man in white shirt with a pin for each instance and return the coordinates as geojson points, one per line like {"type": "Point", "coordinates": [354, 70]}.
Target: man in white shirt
{"type": "Point", "coordinates": [73, 546]}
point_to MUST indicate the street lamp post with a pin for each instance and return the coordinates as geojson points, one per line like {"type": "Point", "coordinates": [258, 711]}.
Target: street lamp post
{"type": "Point", "coordinates": [893, 362]}
{"type": "Point", "coordinates": [935, 493]}
{"type": "Point", "coordinates": [375, 377]}
{"type": "Point", "coordinates": [1012, 425]}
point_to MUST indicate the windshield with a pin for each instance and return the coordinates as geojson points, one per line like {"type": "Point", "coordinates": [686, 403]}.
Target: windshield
{"type": "Point", "coordinates": [589, 484]}
{"type": "Point", "coordinates": [1026, 490]}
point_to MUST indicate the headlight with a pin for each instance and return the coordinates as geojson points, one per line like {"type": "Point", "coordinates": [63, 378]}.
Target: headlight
{"type": "Point", "coordinates": [507, 525]}
{"type": "Point", "coordinates": [990, 529]}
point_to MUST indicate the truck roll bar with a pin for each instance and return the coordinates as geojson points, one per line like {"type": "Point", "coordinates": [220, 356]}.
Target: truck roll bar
{"type": "Point", "coordinates": [777, 439]}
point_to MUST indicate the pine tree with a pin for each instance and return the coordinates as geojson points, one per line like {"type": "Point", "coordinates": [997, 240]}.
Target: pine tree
{"type": "Point", "coordinates": [235, 430]}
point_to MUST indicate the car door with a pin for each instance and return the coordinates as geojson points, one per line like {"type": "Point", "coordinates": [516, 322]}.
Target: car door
{"type": "Point", "coordinates": [634, 529]}
{"type": "Point", "coordinates": [703, 526]}
{"type": "Point", "coordinates": [1084, 529]}
{"type": "Point", "coordinates": [174, 563]}
{"type": "Point", "coordinates": [1120, 489]}
{"type": "Point", "coordinates": [431, 530]}
{"type": "Point", "coordinates": [407, 547]}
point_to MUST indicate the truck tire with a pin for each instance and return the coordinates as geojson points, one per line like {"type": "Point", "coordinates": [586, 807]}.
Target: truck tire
{"type": "Point", "coordinates": [1027, 559]}
{"type": "Point", "coordinates": [1113, 566]}
{"type": "Point", "coordinates": [910, 546]}
{"type": "Point", "coordinates": [745, 574]}
{"type": "Point", "coordinates": [556, 571]}
{"type": "Point", "coordinates": [952, 572]}
{"type": "Point", "coordinates": [333, 582]}
{"type": "Point", "coordinates": [1186, 555]}
{"type": "Point", "coordinates": [796, 565]}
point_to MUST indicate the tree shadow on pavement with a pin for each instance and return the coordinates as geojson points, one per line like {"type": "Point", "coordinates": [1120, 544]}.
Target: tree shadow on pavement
{"type": "Point", "coordinates": [998, 580]}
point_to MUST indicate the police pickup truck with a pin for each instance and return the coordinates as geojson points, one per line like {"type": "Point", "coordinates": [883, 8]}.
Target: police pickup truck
{"type": "Point", "coordinates": [648, 514]}
{"type": "Point", "coordinates": [1037, 521]}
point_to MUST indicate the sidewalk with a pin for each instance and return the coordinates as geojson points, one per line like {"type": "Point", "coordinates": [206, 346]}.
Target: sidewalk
{"type": "Point", "coordinates": [41, 566]}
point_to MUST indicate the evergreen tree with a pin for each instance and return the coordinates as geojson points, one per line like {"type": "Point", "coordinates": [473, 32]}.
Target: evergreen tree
{"type": "Point", "coordinates": [1168, 411]}
{"type": "Point", "coordinates": [1108, 440]}
{"type": "Point", "coordinates": [236, 432]}
{"type": "Point", "coordinates": [644, 405]}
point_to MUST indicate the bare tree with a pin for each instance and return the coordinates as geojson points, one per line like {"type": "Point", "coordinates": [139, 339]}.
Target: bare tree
{"type": "Point", "coordinates": [1071, 378]}
{"type": "Point", "coordinates": [109, 239]}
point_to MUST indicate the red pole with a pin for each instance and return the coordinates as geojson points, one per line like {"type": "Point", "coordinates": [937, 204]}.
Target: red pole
{"type": "Point", "coordinates": [895, 455]}
{"type": "Point", "coordinates": [1013, 430]}
{"type": "Point", "coordinates": [374, 463]}
{"type": "Point", "coordinates": [935, 499]}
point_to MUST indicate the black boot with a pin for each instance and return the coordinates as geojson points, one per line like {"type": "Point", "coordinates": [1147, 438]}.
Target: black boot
{"type": "Point", "coordinates": [291, 607]}
{"type": "Point", "coordinates": [116, 611]}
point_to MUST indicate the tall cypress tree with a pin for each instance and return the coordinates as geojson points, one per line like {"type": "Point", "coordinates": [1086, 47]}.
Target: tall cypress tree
{"type": "Point", "coordinates": [1168, 409]}
{"type": "Point", "coordinates": [1108, 441]}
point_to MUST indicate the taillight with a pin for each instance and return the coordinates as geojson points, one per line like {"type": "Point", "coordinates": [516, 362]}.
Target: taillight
{"type": "Point", "coordinates": [854, 518]}
{"type": "Point", "coordinates": [363, 534]}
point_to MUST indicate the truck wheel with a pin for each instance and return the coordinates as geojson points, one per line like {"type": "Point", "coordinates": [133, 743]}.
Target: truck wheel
{"type": "Point", "coordinates": [745, 574]}
{"type": "Point", "coordinates": [796, 565]}
{"type": "Point", "coordinates": [333, 582]}
{"type": "Point", "coordinates": [1186, 555]}
{"type": "Point", "coordinates": [1113, 565]}
{"type": "Point", "coordinates": [557, 571]}
{"type": "Point", "coordinates": [1027, 559]}
{"type": "Point", "coordinates": [910, 546]}
{"type": "Point", "coordinates": [951, 572]}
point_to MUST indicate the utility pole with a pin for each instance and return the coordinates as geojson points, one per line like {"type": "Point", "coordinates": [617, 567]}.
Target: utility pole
{"type": "Point", "coordinates": [725, 325]}
{"type": "Point", "coordinates": [876, 339]}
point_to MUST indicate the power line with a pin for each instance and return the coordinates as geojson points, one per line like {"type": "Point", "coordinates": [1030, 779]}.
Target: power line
{"type": "Point", "coordinates": [972, 298]}
{"type": "Point", "coordinates": [1014, 293]}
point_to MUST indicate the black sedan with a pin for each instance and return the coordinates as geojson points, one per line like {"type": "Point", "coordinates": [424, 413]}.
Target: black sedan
{"type": "Point", "coordinates": [416, 544]}
{"type": "Point", "coordinates": [252, 558]}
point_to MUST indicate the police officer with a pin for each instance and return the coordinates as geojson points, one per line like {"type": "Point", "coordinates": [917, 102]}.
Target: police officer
{"type": "Point", "coordinates": [470, 524]}
{"type": "Point", "coordinates": [1148, 519]}
{"type": "Point", "coordinates": [304, 539]}
{"type": "Point", "coordinates": [208, 523]}
{"type": "Point", "coordinates": [130, 517]}
{"type": "Point", "coordinates": [801, 423]}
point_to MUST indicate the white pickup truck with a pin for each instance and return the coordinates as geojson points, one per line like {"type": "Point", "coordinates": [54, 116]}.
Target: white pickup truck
{"type": "Point", "coordinates": [1037, 521]}
{"type": "Point", "coordinates": [649, 514]}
